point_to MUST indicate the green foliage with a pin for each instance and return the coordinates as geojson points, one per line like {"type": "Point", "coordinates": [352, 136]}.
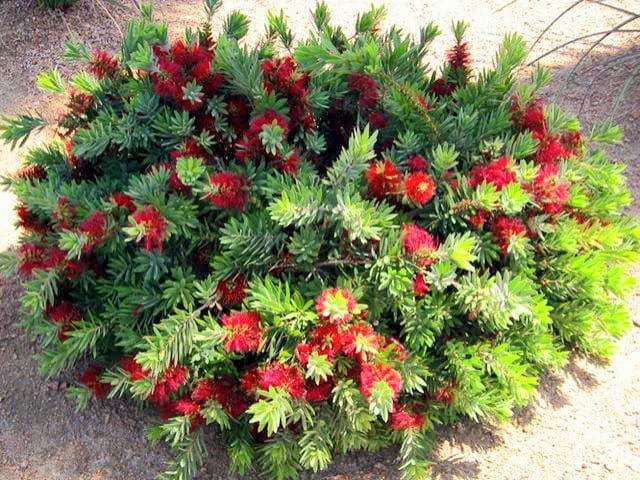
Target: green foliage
{"type": "Point", "coordinates": [52, 4]}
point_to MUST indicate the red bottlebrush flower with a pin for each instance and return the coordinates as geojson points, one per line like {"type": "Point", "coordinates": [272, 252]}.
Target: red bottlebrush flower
{"type": "Point", "coordinates": [224, 391]}
{"type": "Point", "coordinates": [78, 105]}
{"type": "Point", "coordinates": [366, 88]}
{"type": "Point", "coordinates": [459, 57]}
{"type": "Point", "coordinates": [419, 244]}
{"type": "Point", "coordinates": [504, 229]}
{"type": "Point", "coordinates": [441, 88]}
{"type": "Point", "coordinates": [361, 341]}
{"type": "Point", "coordinates": [417, 163]}
{"type": "Point", "coordinates": [174, 377]}
{"type": "Point", "coordinates": [445, 395]}
{"type": "Point", "coordinates": [186, 406]}
{"type": "Point", "coordinates": [31, 172]}
{"type": "Point", "coordinates": [479, 218]}
{"type": "Point", "coordinates": [190, 148]}
{"type": "Point", "coordinates": [572, 142]}
{"type": "Point", "coordinates": [278, 375]}
{"type": "Point", "coordinates": [153, 227]}
{"type": "Point", "coordinates": [232, 291]}
{"type": "Point", "coordinates": [103, 65]}
{"type": "Point", "coordinates": [55, 257]}
{"type": "Point", "coordinates": [243, 333]}
{"type": "Point", "coordinates": [249, 381]}
{"type": "Point", "coordinates": [63, 313]}
{"type": "Point", "coordinates": [238, 114]}
{"type": "Point", "coordinates": [251, 145]}
{"type": "Point", "coordinates": [371, 374]}
{"type": "Point", "coordinates": [419, 188]}
{"type": "Point", "coordinates": [377, 120]}
{"type": "Point", "coordinates": [420, 286]}
{"type": "Point", "coordinates": [64, 214]}
{"type": "Point", "coordinates": [551, 151]}
{"type": "Point", "coordinates": [134, 369]}
{"type": "Point", "coordinates": [204, 391]}
{"type": "Point", "coordinates": [497, 173]}
{"type": "Point", "coordinates": [94, 227]}
{"type": "Point", "coordinates": [404, 419]}
{"type": "Point", "coordinates": [290, 163]}
{"type": "Point", "coordinates": [318, 392]}
{"type": "Point", "coordinates": [533, 118]}
{"type": "Point", "coordinates": [28, 221]}
{"type": "Point", "coordinates": [229, 191]}
{"type": "Point", "coordinates": [122, 200]}
{"type": "Point", "coordinates": [336, 305]}
{"type": "Point", "coordinates": [32, 257]}
{"type": "Point", "coordinates": [303, 352]}
{"type": "Point", "coordinates": [549, 191]}
{"type": "Point", "coordinates": [383, 178]}
{"type": "Point", "coordinates": [89, 378]}
{"type": "Point", "coordinates": [326, 339]}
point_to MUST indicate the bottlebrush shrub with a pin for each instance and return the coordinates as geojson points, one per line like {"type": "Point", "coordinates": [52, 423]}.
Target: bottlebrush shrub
{"type": "Point", "coordinates": [319, 251]}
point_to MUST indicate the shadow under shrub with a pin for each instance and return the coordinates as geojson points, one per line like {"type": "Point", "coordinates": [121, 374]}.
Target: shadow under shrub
{"type": "Point", "coordinates": [317, 247]}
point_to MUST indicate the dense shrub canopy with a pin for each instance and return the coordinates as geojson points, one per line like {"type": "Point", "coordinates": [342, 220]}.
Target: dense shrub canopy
{"type": "Point", "coordinates": [319, 248]}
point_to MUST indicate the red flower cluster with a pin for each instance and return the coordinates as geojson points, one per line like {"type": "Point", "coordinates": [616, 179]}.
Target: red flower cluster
{"type": "Point", "coordinates": [279, 375]}
{"type": "Point", "coordinates": [550, 193]}
{"type": "Point", "coordinates": [417, 163]}
{"type": "Point", "coordinates": [458, 57]}
{"type": "Point", "coordinates": [222, 390]}
{"type": "Point", "coordinates": [95, 228]}
{"type": "Point", "coordinates": [89, 378]}
{"type": "Point", "coordinates": [360, 341]}
{"type": "Point", "coordinates": [377, 120]}
{"type": "Point", "coordinates": [229, 191]}
{"type": "Point", "coordinates": [153, 225]}
{"type": "Point", "coordinates": [169, 382]}
{"type": "Point", "coordinates": [403, 418]}
{"type": "Point", "coordinates": [180, 65]}
{"type": "Point", "coordinates": [101, 65]}
{"type": "Point", "coordinates": [446, 393]}
{"type": "Point", "coordinates": [31, 172]}
{"type": "Point", "coordinates": [243, 332]}
{"type": "Point", "coordinates": [419, 244]}
{"type": "Point", "coordinates": [366, 88]}
{"type": "Point", "coordinates": [420, 285]}
{"type": "Point", "coordinates": [384, 179]}
{"type": "Point", "coordinates": [251, 146]}
{"type": "Point", "coordinates": [282, 75]}
{"type": "Point", "coordinates": [30, 222]}
{"type": "Point", "coordinates": [498, 173]}
{"type": "Point", "coordinates": [122, 200]}
{"type": "Point", "coordinates": [504, 229]}
{"type": "Point", "coordinates": [479, 218]}
{"type": "Point", "coordinates": [419, 188]}
{"type": "Point", "coordinates": [36, 257]}
{"type": "Point", "coordinates": [336, 305]}
{"type": "Point", "coordinates": [373, 373]}
{"type": "Point", "coordinates": [63, 314]}
{"type": "Point", "coordinates": [232, 290]}
{"type": "Point", "coordinates": [190, 148]}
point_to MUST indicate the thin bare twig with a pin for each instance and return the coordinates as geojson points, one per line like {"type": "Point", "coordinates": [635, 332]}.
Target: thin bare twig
{"type": "Point", "coordinates": [548, 27]}
{"type": "Point", "coordinates": [577, 39]}
{"type": "Point", "coordinates": [111, 17]}
{"type": "Point", "coordinates": [589, 50]}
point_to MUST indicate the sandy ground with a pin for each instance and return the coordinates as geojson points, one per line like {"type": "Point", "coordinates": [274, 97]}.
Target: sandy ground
{"type": "Point", "coordinates": [585, 421]}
